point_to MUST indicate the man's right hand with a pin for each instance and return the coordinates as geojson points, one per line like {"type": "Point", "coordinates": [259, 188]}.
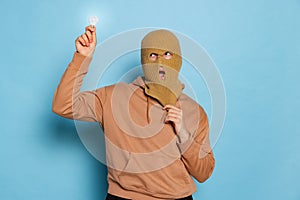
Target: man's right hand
{"type": "Point", "coordinates": [86, 43]}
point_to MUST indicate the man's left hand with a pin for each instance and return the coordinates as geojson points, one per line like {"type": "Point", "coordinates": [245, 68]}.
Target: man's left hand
{"type": "Point", "coordinates": [174, 115]}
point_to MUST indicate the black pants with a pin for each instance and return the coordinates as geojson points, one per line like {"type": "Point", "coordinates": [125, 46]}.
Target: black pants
{"type": "Point", "coordinates": [113, 197]}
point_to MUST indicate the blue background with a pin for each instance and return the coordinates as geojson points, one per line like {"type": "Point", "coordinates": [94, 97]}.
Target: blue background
{"type": "Point", "coordinates": [255, 45]}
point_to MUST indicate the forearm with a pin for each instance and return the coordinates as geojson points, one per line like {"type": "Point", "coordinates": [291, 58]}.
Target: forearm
{"type": "Point", "coordinates": [198, 159]}
{"type": "Point", "coordinates": [68, 89]}
{"type": "Point", "coordinates": [195, 149]}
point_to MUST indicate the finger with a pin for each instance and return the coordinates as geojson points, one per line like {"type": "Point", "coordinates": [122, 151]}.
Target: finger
{"type": "Point", "coordinates": [170, 107]}
{"type": "Point", "coordinates": [90, 28]}
{"type": "Point", "coordinates": [81, 41]}
{"type": "Point", "coordinates": [94, 37]}
{"type": "Point", "coordinates": [89, 36]}
{"type": "Point", "coordinates": [177, 112]}
{"type": "Point", "coordinates": [172, 119]}
{"type": "Point", "coordinates": [174, 116]}
{"type": "Point", "coordinates": [94, 32]}
{"type": "Point", "coordinates": [85, 38]}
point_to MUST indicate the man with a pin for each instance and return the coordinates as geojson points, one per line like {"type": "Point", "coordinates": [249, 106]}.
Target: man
{"type": "Point", "coordinates": [156, 136]}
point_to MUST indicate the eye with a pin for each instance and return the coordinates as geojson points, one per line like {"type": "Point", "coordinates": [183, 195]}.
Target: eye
{"type": "Point", "coordinates": [168, 55]}
{"type": "Point", "coordinates": [153, 56]}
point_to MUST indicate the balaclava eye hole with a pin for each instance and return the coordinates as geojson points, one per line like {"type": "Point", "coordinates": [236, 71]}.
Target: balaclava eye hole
{"type": "Point", "coordinates": [154, 56]}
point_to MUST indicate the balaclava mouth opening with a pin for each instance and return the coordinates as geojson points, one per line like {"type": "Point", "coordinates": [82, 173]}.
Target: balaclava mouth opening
{"type": "Point", "coordinates": [161, 62]}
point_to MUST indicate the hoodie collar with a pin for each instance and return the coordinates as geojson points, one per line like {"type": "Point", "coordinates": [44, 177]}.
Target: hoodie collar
{"type": "Point", "coordinates": [140, 81]}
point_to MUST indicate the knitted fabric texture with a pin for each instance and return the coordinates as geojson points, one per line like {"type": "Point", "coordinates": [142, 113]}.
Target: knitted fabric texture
{"type": "Point", "coordinates": [168, 89]}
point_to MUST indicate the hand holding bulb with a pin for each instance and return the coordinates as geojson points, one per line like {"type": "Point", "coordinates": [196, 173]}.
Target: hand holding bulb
{"type": "Point", "coordinates": [86, 43]}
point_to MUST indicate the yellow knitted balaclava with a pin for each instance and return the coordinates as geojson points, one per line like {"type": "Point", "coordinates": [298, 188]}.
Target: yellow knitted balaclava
{"type": "Point", "coordinates": [161, 62]}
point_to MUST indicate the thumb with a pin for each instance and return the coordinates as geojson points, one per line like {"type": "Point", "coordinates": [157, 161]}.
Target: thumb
{"type": "Point", "coordinates": [178, 104]}
{"type": "Point", "coordinates": [92, 29]}
{"type": "Point", "coordinates": [94, 34]}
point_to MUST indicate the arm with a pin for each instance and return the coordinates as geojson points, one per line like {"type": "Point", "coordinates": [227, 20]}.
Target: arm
{"type": "Point", "coordinates": [68, 101]}
{"type": "Point", "coordinates": [197, 155]}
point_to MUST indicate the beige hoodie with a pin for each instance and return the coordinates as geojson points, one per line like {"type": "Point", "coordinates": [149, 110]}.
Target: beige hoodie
{"type": "Point", "coordinates": [144, 157]}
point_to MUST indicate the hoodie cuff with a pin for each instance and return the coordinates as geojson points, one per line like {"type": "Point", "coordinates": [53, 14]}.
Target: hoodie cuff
{"type": "Point", "coordinates": [183, 146]}
{"type": "Point", "coordinates": [191, 148]}
{"type": "Point", "coordinates": [80, 62]}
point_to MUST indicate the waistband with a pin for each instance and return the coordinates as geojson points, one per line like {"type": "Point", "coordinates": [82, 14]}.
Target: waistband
{"type": "Point", "coordinates": [113, 197]}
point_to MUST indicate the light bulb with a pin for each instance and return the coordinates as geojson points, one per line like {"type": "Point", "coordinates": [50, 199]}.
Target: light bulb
{"type": "Point", "coordinates": [93, 20]}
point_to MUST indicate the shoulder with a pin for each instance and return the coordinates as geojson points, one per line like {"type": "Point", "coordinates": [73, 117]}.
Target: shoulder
{"type": "Point", "coordinates": [118, 90]}
{"type": "Point", "coordinates": [193, 113]}
{"type": "Point", "coordinates": [190, 104]}
{"type": "Point", "coordinates": [122, 87]}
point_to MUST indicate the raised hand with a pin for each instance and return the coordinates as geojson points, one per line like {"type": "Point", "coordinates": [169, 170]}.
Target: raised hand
{"type": "Point", "coordinates": [86, 43]}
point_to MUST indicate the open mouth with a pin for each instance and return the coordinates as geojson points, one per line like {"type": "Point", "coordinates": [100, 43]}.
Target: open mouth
{"type": "Point", "coordinates": [162, 73]}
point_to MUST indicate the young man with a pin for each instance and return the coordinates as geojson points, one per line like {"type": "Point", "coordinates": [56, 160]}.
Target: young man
{"type": "Point", "coordinates": [156, 136]}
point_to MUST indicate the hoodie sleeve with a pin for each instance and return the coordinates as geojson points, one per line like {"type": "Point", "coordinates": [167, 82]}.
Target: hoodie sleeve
{"type": "Point", "coordinates": [197, 154]}
{"type": "Point", "coordinates": [70, 102]}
